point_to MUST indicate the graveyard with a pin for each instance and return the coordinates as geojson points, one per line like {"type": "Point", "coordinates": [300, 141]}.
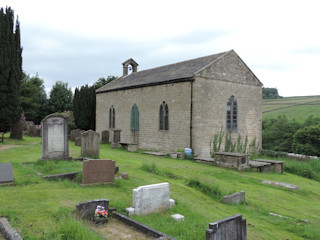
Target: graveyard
{"type": "Point", "coordinates": [39, 208]}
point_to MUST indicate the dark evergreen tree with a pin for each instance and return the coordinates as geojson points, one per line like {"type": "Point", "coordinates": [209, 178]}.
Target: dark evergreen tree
{"type": "Point", "coordinates": [10, 69]}
{"type": "Point", "coordinates": [60, 98]}
{"type": "Point", "coordinates": [84, 104]}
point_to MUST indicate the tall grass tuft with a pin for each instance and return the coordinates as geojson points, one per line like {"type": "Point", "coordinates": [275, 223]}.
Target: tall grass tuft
{"type": "Point", "coordinates": [70, 229]}
{"type": "Point", "coordinates": [308, 169]}
{"type": "Point", "coordinates": [212, 191]}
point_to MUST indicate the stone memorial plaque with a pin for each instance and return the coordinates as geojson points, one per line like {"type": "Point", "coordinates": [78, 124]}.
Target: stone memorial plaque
{"type": "Point", "coordinates": [98, 171]}
{"type": "Point", "coordinates": [6, 173]}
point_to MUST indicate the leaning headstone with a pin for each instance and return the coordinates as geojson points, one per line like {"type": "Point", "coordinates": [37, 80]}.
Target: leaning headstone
{"type": "Point", "coordinates": [150, 198]}
{"type": "Point", "coordinates": [75, 133]}
{"type": "Point", "coordinates": [98, 171]}
{"type": "Point", "coordinates": [77, 141]}
{"type": "Point", "coordinates": [6, 173]}
{"type": "Point", "coordinates": [55, 137]}
{"type": "Point", "coordinates": [231, 228]}
{"type": "Point", "coordinates": [235, 198]}
{"type": "Point", "coordinates": [105, 136]}
{"type": "Point", "coordinates": [16, 130]}
{"type": "Point", "coordinates": [90, 144]}
{"type": "Point", "coordinates": [86, 209]}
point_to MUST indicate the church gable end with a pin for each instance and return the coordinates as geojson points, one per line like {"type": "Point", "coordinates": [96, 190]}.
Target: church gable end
{"type": "Point", "coordinates": [230, 68]}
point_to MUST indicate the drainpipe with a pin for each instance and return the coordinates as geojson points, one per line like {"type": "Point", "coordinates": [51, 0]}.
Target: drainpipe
{"type": "Point", "coordinates": [191, 111]}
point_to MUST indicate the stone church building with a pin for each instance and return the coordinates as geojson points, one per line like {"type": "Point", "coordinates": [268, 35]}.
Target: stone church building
{"type": "Point", "coordinates": [182, 105]}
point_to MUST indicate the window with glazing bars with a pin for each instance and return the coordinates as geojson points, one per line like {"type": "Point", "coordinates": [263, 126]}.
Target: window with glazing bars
{"type": "Point", "coordinates": [112, 117]}
{"type": "Point", "coordinates": [164, 116]}
{"type": "Point", "coordinates": [232, 114]}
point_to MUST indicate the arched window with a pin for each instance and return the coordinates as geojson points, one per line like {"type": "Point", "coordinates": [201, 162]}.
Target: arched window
{"type": "Point", "coordinates": [112, 117]}
{"type": "Point", "coordinates": [164, 116]}
{"type": "Point", "coordinates": [232, 114]}
{"type": "Point", "coordinates": [134, 118]}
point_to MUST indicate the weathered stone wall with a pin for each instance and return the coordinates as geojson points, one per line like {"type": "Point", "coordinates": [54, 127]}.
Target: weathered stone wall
{"type": "Point", "coordinates": [212, 88]}
{"type": "Point", "coordinates": [211, 91]}
{"type": "Point", "coordinates": [148, 100]}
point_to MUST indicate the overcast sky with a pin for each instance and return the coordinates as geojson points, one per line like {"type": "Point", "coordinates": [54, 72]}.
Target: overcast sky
{"type": "Point", "coordinates": [79, 41]}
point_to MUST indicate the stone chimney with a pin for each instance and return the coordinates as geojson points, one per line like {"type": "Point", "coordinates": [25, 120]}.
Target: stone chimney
{"type": "Point", "coordinates": [130, 62]}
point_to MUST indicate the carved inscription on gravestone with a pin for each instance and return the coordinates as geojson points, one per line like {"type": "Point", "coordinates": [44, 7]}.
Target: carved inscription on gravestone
{"type": "Point", "coordinates": [98, 171]}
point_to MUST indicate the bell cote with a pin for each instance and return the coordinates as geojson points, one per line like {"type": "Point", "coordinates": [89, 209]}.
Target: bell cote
{"type": "Point", "coordinates": [129, 65]}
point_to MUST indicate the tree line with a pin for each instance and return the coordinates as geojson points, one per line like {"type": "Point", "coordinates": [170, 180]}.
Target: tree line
{"type": "Point", "coordinates": [283, 135]}
{"type": "Point", "coordinates": [24, 97]}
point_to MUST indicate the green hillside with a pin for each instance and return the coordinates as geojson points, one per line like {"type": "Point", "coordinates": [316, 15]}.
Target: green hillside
{"type": "Point", "coordinates": [41, 209]}
{"type": "Point", "coordinates": [298, 108]}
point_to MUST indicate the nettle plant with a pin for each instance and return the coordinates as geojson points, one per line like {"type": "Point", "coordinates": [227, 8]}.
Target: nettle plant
{"type": "Point", "coordinates": [239, 146]}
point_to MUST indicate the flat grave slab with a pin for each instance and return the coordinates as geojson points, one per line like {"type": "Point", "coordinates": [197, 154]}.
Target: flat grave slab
{"type": "Point", "coordinates": [281, 184]}
{"type": "Point", "coordinates": [205, 160]}
{"type": "Point", "coordinates": [275, 165]}
{"type": "Point", "coordinates": [6, 173]}
{"type": "Point", "coordinates": [260, 166]}
{"type": "Point", "coordinates": [160, 154]}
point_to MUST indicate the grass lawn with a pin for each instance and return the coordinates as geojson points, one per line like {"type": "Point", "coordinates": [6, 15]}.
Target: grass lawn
{"type": "Point", "coordinates": [41, 209]}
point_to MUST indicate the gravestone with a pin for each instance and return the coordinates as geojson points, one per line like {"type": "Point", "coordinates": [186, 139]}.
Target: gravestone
{"type": "Point", "coordinates": [150, 198]}
{"type": "Point", "coordinates": [231, 228]}
{"type": "Point", "coordinates": [6, 173]}
{"type": "Point", "coordinates": [75, 133]}
{"type": "Point", "coordinates": [32, 130]}
{"type": "Point", "coordinates": [237, 161]}
{"type": "Point", "coordinates": [16, 130]}
{"type": "Point", "coordinates": [86, 209]}
{"type": "Point", "coordinates": [98, 171]}
{"type": "Point", "coordinates": [235, 198]}
{"type": "Point", "coordinates": [90, 144]}
{"type": "Point", "coordinates": [116, 138]}
{"type": "Point", "coordinates": [55, 137]}
{"type": "Point", "coordinates": [77, 141]}
{"type": "Point", "coordinates": [105, 136]}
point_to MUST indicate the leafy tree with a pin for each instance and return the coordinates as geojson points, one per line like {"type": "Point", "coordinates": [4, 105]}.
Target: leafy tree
{"type": "Point", "coordinates": [103, 81]}
{"type": "Point", "coordinates": [307, 140]}
{"type": "Point", "coordinates": [60, 98]}
{"type": "Point", "coordinates": [277, 134]}
{"type": "Point", "coordinates": [10, 70]}
{"type": "Point", "coordinates": [270, 93]}
{"type": "Point", "coordinates": [33, 98]}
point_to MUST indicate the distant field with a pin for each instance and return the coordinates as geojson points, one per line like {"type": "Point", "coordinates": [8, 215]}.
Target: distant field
{"type": "Point", "coordinates": [298, 108]}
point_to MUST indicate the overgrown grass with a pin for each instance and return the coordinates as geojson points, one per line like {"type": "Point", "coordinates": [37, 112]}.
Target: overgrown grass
{"type": "Point", "coordinates": [307, 169]}
{"type": "Point", "coordinates": [40, 209]}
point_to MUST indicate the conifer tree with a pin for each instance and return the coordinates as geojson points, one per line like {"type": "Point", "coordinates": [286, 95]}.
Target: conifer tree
{"type": "Point", "coordinates": [10, 69]}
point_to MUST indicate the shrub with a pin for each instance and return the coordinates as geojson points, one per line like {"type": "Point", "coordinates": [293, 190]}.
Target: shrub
{"type": "Point", "coordinates": [307, 140]}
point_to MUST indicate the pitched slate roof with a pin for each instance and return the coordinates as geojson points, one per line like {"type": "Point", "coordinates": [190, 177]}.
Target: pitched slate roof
{"type": "Point", "coordinates": [178, 72]}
